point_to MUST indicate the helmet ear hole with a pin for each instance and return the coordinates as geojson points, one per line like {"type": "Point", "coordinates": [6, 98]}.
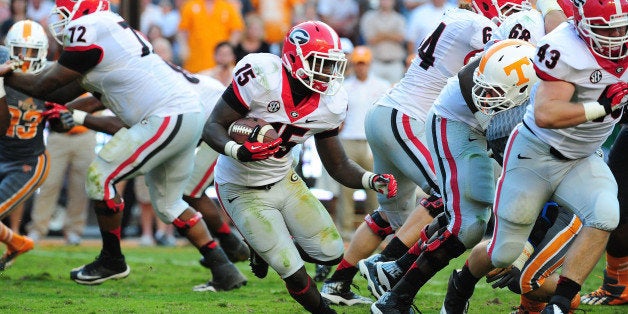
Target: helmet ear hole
{"type": "Point", "coordinates": [523, 89]}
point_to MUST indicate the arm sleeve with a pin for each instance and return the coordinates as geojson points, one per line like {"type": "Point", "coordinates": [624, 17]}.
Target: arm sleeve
{"type": "Point", "coordinates": [81, 60]}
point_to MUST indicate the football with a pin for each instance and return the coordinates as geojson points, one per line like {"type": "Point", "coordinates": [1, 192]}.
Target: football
{"type": "Point", "coordinates": [241, 129]}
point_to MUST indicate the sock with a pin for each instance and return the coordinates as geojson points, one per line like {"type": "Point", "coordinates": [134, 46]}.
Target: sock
{"type": "Point", "coordinates": [6, 234]}
{"type": "Point", "coordinates": [410, 256]}
{"type": "Point", "coordinates": [466, 281]}
{"type": "Point", "coordinates": [617, 268]}
{"type": "Point", "coordinates": [344, 272]}
{"type": "Point", "coordinates": [111, 242]}
{"type": "Point", "coordinates": [395, 249]}
{"type": "Point", "coordinates": [529, 305]}
{"type": "Point", "coordinates": [566, 290]}
{"type": "Point", "coordinates": [213, 254]}
{"type": "Point", "coordinates": [224, 229]}
{"type": "Point", "coordinates": [308, 297]}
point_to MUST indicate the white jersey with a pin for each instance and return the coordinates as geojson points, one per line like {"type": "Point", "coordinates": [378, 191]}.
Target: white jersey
{"type": "Point", "coordinates": [458, 37]}
{"type": "Point", "coordinates": [130, 78]}
{"type": "Point", "coordinates": [563, 55]}
{"type": "Point", "coordinates": [526, 25]}
{"type": "Point", "coordinates": [451, 105]}
{"type": "Point", "coordinates": [262, 86]}
{"type": "Point", "coordinates": [210, 90]}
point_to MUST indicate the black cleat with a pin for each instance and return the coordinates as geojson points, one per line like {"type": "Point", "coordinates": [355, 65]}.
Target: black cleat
{"type": "Point", "coordinates": [101, 270]}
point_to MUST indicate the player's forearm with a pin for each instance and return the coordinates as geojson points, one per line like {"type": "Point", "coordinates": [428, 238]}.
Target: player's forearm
{"type": "Point", "coordinates": [105, 124]}
{"type": "Point", "coordinates": [215, 135]}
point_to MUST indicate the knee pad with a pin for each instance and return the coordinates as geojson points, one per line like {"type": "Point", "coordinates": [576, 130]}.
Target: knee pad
{"type": "Point", "coordinates": [110, 208]}
{"type": "Point", "coordinates": [544, 221]}
{"type": "Point", "coordinates": [378, 225]}
{"type": "Point", "coordinates": [433, 204]}
{"type": "Point", "coordinates": [441, 248]}
{"type": "Point", "coordinates": [307, 258]}
{"type": "Point", "coordinates": [439, 222]}
{"type": "Point", "coordinates": [184, 225]}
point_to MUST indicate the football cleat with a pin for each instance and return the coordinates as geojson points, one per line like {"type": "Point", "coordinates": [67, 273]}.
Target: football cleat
{"type": "Point", "coordinates": [388, 274]}
{"type": "Point", "coordinates": [101, 270]}
{"type": "Point", "coordinates": [259, 267]}
{"type": "Point", "coordinates": [235, 249]}
{"type": "Point", "coordinates": [322, 271]}
{"type": "Point", "coordinates": [368, 270]}
{"type": "Point", "coordinates": [225, 277]}
{"type": "Point", "coordinates": [610, 293]}
{"type": "Point", "coordinates": [339, 292]}
{"type": "Point", "coordinates": [552, 309]}
{"type": "Point", "coordinates": [456, 301]}
{"type": "Point", "coordinates": [13, 251]}
{"type": "Point", "coordinates": [390, 303]}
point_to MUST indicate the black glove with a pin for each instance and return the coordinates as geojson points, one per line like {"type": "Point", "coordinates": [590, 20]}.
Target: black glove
{"type": "Point", "coordinates": [505, 277]}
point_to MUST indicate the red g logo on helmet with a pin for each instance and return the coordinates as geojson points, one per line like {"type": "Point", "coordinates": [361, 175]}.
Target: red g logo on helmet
{"type": "Point", "coordinates": [313, 55]}
{"type": "Point", "coordinates": [299, 36]}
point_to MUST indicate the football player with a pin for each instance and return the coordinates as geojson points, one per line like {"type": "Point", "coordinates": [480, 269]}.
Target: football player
{"type": "Point", "coordinates": [554, 151]}
{"type": "Point", "coordinates": [225, 276]}
{"type": "Point", "coordinates": [103, 55]}
{"type": "Point", "coordinates": [500, 80]}
{"type": "Point", "coordinates": [24, 162]}
{"type": "Point", "coordinates": [301, 95]}
{"type": "Point", "coordinates": [400, 148]}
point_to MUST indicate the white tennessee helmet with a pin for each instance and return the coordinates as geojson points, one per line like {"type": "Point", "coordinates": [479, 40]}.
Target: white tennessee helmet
{"type": "Point", "coordinates": [504, 77]}
{"type": "Point", "coordinates": [28, 43]}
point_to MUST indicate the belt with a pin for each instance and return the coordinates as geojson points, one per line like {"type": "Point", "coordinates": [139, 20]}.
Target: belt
{"type": "Point", "coordinates": [553, 151]}
{"type": "Point", "coordinates": [388, 61]}
{"type": "Point", "coordinates": [262, 187]}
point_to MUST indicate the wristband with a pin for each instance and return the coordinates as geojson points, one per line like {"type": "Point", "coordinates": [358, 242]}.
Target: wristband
{"type": "Point", "coordinates": [367, 180]}
{"type": "Point", "coordinates": [545, 6]}
{"type": "Point", "coordinates": [593, 110]}
{"type": "Point", "coordinates": [528, 250]}
{"type": "Point", "coordinates": [79, 116]}
{"type": "Point", "coordinates": [231, 149]}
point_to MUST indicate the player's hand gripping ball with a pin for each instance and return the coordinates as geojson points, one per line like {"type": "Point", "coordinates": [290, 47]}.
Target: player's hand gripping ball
{"type": "Point", "coordinates": [240, 131]}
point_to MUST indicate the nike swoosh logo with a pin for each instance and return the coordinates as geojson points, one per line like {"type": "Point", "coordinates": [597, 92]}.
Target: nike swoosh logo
{"type": "Point", "coordinates": [310, 120]}
{"type": "Point", "coordinates": [522, 157]}
{"type": "Point", "coordinates": [84, 277]}
{"type": "Point", "coordinates": [232, 199]}
{"type": "Point", "coordinates": [472, 139]}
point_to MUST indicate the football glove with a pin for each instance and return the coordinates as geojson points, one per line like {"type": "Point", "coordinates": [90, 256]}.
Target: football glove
{"type": "Point", "coordinates": [59, 117]}
{"type": "Point", "coordinates": [380, 183]}
{"type": "Point", "coordinates": [251, 150]}
{"type": "Point", "coordinates": [613, 96]}
{"type": "Point", "coordinates": [505, 278]}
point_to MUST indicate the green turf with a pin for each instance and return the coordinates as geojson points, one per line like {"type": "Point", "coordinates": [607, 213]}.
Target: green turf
{"type": "Point", "coordinates": [161, 281]}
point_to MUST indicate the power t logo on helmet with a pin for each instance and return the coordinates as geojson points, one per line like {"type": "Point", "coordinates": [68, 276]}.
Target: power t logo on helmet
{"type": "Point", "coordinates": [313, 55]}
{"type": "Point", "coordinates": [504, 77]}
{"type": "Point", "coordinates": [28, 44]}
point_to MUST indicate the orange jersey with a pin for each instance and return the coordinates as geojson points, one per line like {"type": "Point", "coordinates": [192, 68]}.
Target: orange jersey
{"type": "Point", "coordinates": [206, 29]}
{"type": "Point", "coordinates": [277, 16]}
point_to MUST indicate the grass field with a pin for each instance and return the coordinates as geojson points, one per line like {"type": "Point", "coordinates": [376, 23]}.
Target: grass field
{"type": "Point", "coordinates": [161, 281]}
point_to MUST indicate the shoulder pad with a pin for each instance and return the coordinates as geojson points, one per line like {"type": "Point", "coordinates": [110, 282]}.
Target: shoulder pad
{"type": "Point", "coordinates": [266, 68]}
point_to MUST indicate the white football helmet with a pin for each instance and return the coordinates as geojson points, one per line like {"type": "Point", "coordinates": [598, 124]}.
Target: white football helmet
{"type": "Point", "coordinates": [504, 77]}
{"type": "Point", "coordinates": [28, 43]}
